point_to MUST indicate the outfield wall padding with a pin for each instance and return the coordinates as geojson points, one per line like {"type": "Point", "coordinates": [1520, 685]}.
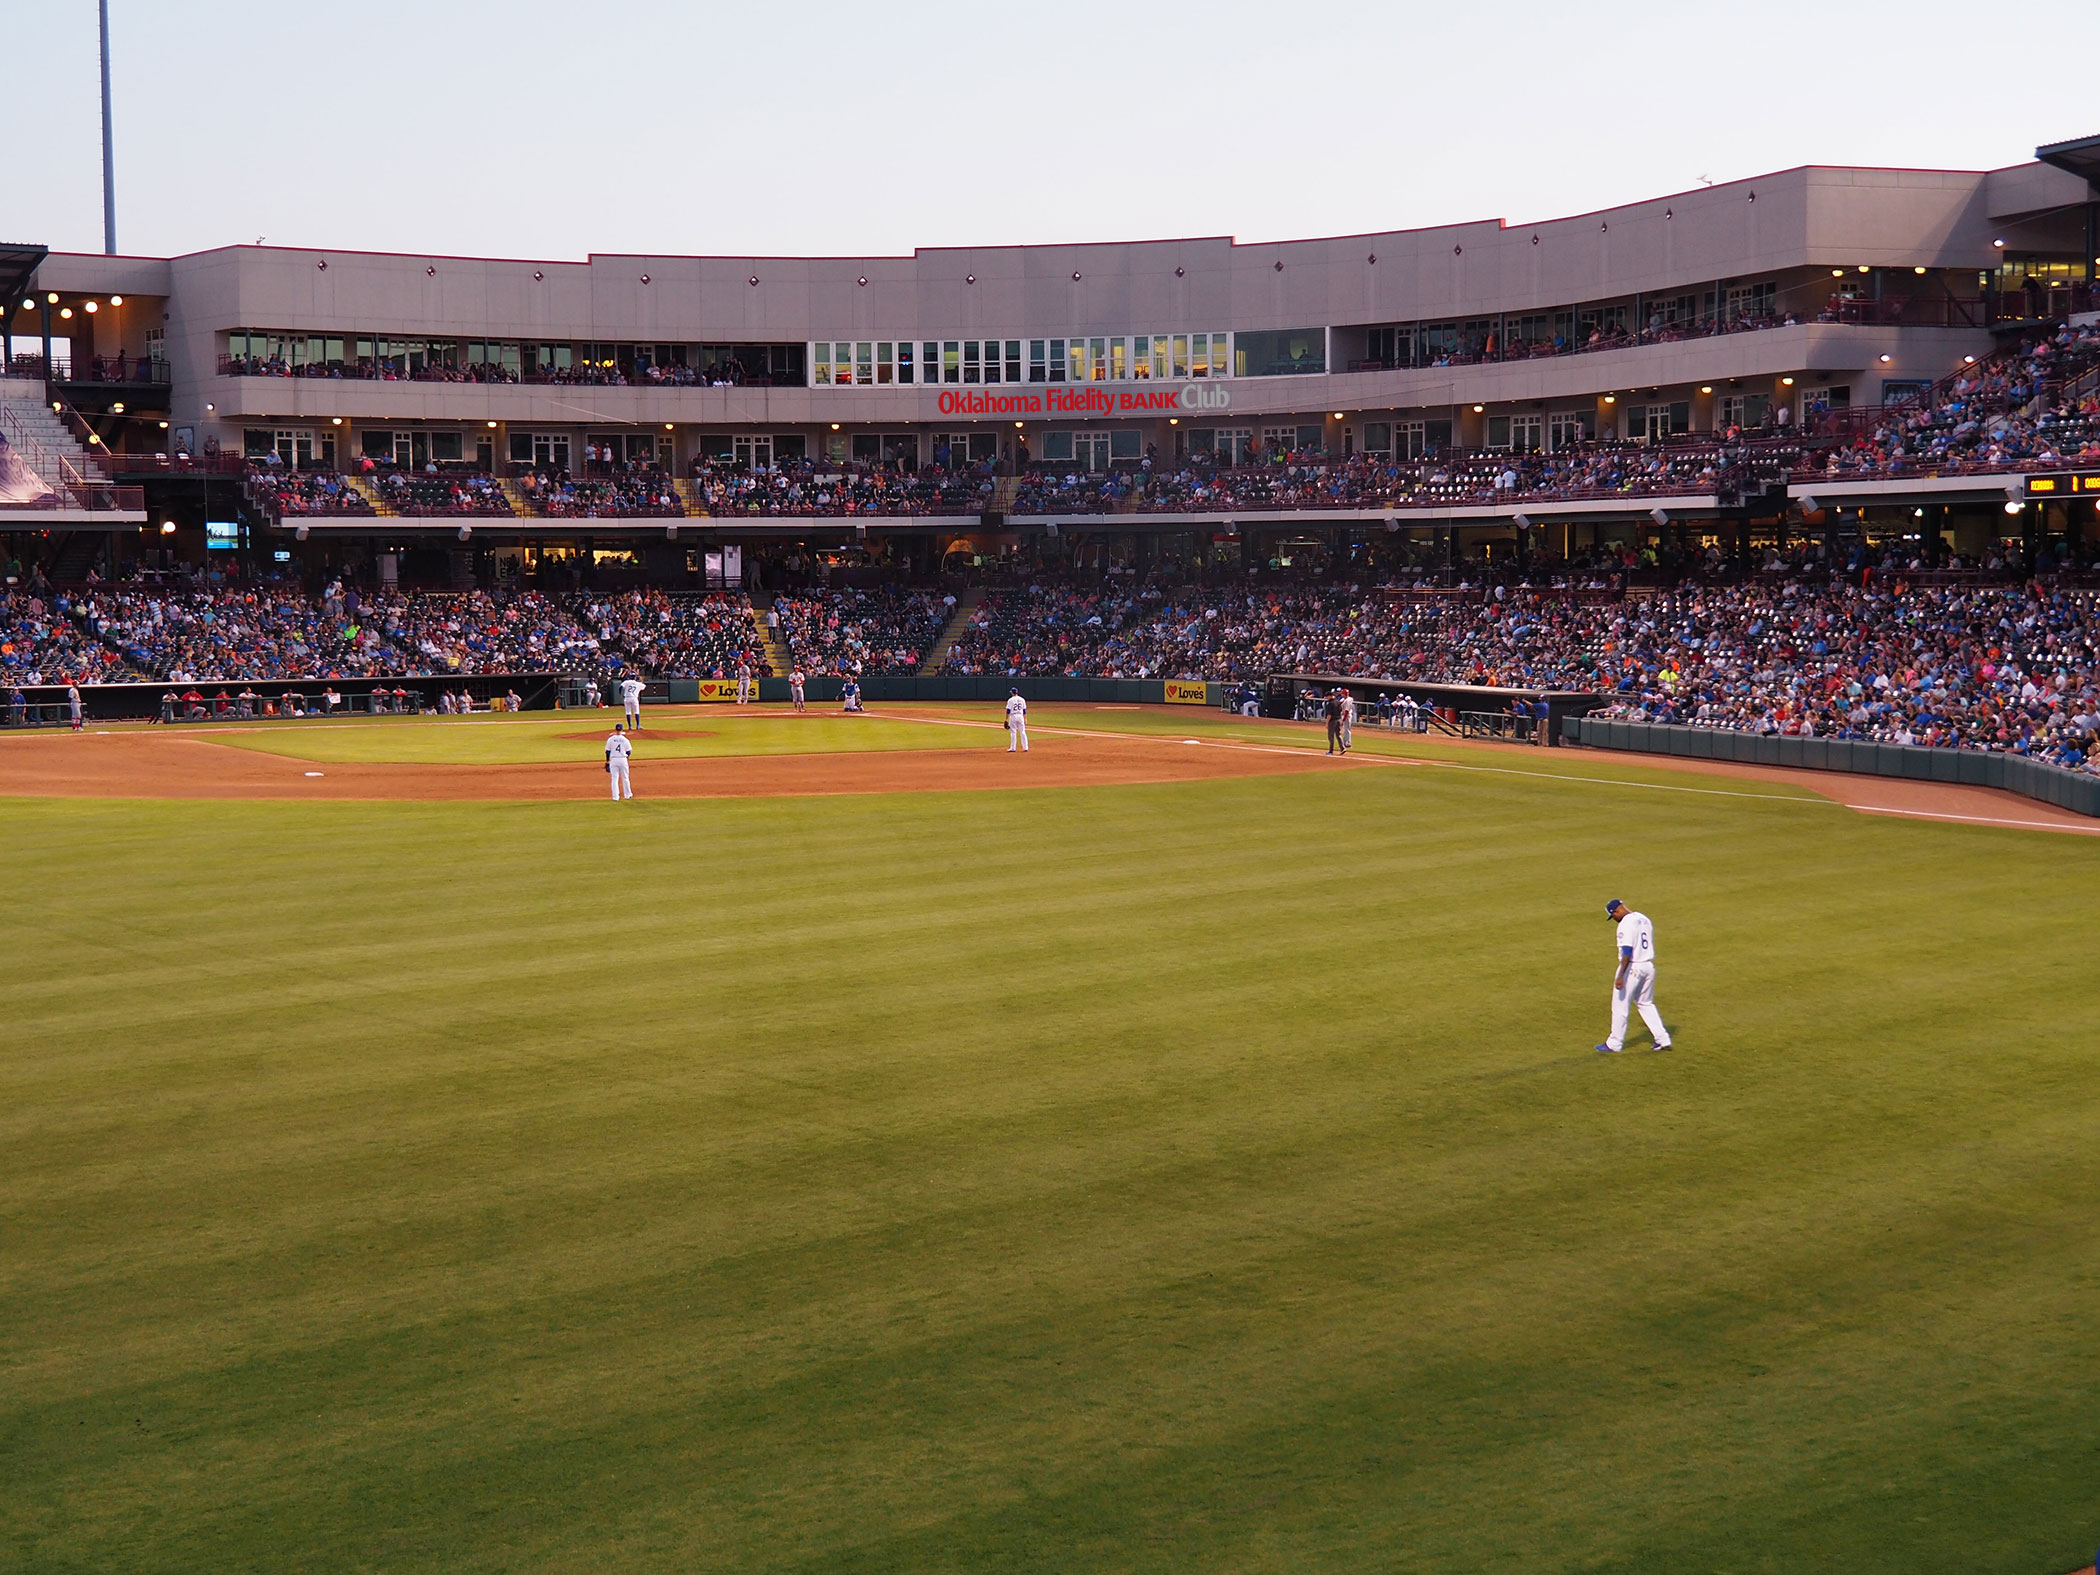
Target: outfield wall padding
{"type": "Point", "coordinates": [2046, 784]}
{"type": "Point", "coordinates": [877, 690]}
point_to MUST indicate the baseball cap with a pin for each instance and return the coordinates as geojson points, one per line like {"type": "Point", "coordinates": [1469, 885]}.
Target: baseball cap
{"type": "Point", "coordinates": [1614, 903]}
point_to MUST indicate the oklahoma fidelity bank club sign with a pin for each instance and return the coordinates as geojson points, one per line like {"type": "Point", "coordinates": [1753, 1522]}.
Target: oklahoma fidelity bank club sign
{"type": "Point", "coordinates": [1086, 399]}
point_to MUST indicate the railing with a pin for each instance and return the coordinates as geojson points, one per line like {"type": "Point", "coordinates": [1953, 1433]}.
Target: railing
{"type": "Point", "coordinates": [371, 372]}
{"type": "Point", "coordinates": [106, 371]}
{"type": "Point", "coordinates": [1499, 724]}
{"type": "Point", "coordinates": [1859, 420]}
{"type": "Point", "coordinates": [1907, 311]}
{"type": "Point", "coordinates": [222, 464]}
{"type": "Point", "coordinates": [67, 484]}
{"type": "Point", "coordinates": [2039, 303]}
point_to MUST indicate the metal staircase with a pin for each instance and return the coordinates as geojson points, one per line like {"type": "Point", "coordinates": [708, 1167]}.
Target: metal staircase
{"type": "Point", "coordinates": [46, 440]}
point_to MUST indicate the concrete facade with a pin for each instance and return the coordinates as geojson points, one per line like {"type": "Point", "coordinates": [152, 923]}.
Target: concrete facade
{"type": "Point", "coordinates": [1805, 232]}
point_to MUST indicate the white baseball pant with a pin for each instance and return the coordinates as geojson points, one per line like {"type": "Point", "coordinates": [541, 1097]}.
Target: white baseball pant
{"type": "Point", "coordinates": [621, 786]}
{"type": "Point", "coordinates": [1016, 734]}
{"type": "Point", "coordinates": [1639, 992]}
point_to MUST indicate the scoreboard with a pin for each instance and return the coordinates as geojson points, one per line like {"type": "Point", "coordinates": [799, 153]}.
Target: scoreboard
{"type": "Point", "coordinates": [2078, 483]}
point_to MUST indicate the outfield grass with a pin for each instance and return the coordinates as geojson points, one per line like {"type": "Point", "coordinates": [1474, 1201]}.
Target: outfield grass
{"type": "Point", "coordinates": [1212, 1176]}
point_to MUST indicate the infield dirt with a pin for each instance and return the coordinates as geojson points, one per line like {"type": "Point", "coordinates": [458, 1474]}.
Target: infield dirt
{"type": "Point", "coordinates": [208, 764]}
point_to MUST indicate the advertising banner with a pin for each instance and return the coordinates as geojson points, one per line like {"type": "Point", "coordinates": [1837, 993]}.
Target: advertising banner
{"type": "Point", "coordinates": [1182, 692]}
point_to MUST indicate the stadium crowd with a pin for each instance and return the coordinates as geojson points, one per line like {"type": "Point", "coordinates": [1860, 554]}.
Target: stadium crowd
{"type": "Point", "coordinates": [43, 641]}
{"type": "Point", "coordinates": [476, 633]}
{"type": "Point", "coordinates": [2008, 667]}
{"type": "Point", "coordinates": [2037, 404]}
{"type": "Point", "coordinates": [250, 634]}
{"type": "Point", "coordinates": [465, 493]}
{"type": "Point", "coordinates": [640, 493]}
{"type": "Point", "coordinates": [665, 636]}
{"type": "Point", "coordinates": [800, 488]}
{"type": "Point", "coordinates": [852, 633]}
{"type": "Point", "coordinates": [2011, 665]}
{"type": "Point", "coordinates": [308, 493]}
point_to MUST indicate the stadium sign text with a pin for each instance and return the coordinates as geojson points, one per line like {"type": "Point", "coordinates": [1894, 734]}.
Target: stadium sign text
{"type": "Point", "coordinates": [1086, 400]}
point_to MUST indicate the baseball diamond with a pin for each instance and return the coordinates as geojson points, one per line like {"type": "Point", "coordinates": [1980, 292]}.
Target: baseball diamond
{"type": "Point", "coordinates": [855, 907]}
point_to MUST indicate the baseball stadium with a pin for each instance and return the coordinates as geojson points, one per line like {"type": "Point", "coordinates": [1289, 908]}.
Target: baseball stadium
{"type": "Point", "coordinates": [1081, 1050]}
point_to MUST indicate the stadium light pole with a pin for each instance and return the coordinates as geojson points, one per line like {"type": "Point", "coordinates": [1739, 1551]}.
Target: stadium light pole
{"type": "Point", "coordinates": [109, 150]}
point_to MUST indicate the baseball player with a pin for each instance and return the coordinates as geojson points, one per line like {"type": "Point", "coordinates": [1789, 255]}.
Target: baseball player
{"type": "Point", "coordinates": [1348, 719]}
{"type": "Point", "coordinates": [743, 680]}
{"type": "Point", "coordinates": [73, 703]}
{"type": "Point", "coordinates": [631, 700]}
{"type": "Point", "coordinates": [1634, 984]}
{"type": "Point", "coordinates": [795, 681]}
{"type": "Point", "coordinates": [618, 751]}
{"type": "Point", "coordinates": [1016, 721]}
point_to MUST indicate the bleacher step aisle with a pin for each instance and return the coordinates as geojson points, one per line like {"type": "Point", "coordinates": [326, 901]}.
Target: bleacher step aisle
{"type": "Point", "coordinates": [937, 658]}
{"type": "Point", "coordinates": [41, 427]}
{"type": "Point", "coordinates": [778, 656]}
{"type": "Point", "coordinates": [520, 504]}
{"type": "Point", "coordinates": [689, 495]}
{"type": "Point", "coordinates": [371, 495]}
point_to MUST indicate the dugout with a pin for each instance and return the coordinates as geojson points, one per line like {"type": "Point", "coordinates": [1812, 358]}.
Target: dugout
{"type": "Point", "coordinates": [1462, 710]}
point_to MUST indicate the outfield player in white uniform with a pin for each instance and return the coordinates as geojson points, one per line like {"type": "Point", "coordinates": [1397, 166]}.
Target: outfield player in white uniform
{"type": "Point", "coordinates": [795, 682]}
{"type": "Point", "coordinates": [1016, 721]}
{"type": "Point", "coordinates": [617, 753]}
{"type": "Point", "coordinates": [1634, 984]}
{"type": "Point", "coordinates": [631, 701]}
{"type": "Point", "coordinates": [743, 681]}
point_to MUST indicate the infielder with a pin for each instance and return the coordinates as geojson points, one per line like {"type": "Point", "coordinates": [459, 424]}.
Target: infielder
{"type": "Point", "coordinates": [795, 681]}
{"type": "Point", "coordinates": [1634, 984]}
{"type": "Point", "coordinates": [631, 701]}
{"type": "Point", "coordinates": [1016, 722]}
{"type": "Point", "coordinates": [618, 751]}
{"type": "Point", "coordinates": [73, 703]}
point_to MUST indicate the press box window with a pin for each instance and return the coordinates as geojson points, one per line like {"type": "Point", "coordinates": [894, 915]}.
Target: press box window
{"type": "Point", "coordinates": [1286, 352]}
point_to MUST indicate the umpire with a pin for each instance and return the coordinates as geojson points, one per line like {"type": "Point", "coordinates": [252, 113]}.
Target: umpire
{"type": "Point", "coordinates": [1333, 712]}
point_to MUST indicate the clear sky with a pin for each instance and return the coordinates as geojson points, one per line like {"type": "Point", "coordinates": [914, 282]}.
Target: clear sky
{"type": "Point", "coordinates": [519, 128]}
